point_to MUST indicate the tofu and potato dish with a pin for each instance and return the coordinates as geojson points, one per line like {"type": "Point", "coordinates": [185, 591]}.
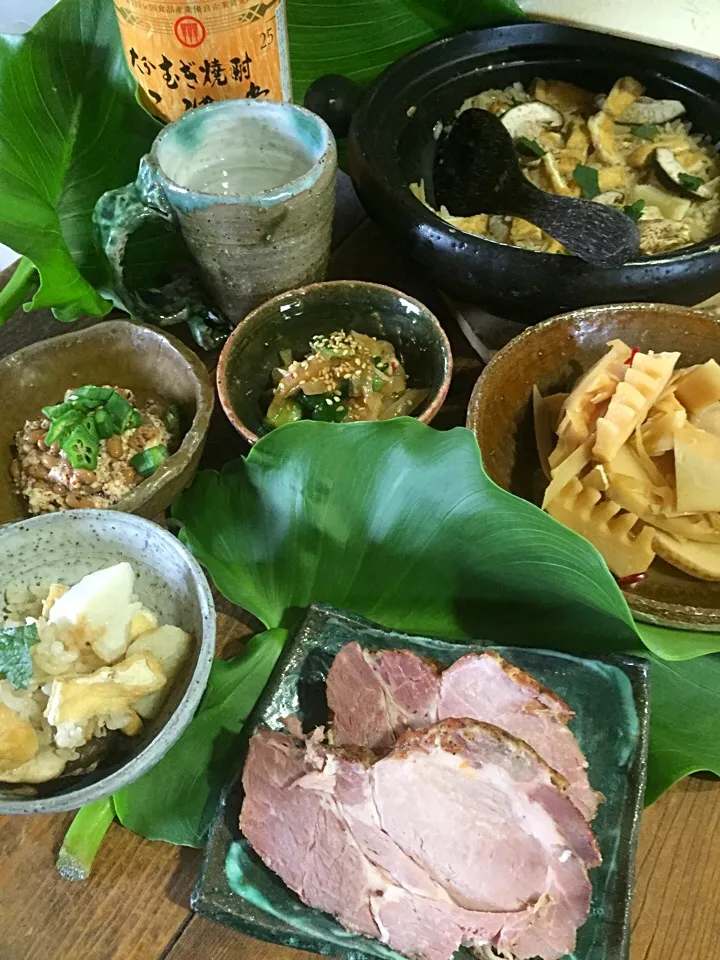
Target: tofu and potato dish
{"type": "Point", "coordinates": [80, 667]}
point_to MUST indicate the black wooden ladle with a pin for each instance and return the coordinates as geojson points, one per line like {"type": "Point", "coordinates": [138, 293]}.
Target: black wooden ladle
{"type": "Point", "coordinates": [477, 171]}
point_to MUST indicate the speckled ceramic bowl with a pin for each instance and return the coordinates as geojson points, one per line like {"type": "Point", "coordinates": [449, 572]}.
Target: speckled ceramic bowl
{"type": "Point", "coordinates": [289, 321]}
{"type": "Point", "coordinates": [146, 360]}
{"type": "Point", "coordinates": [67, 546]}
{"type": "Point", "coordinates": [553, 355]}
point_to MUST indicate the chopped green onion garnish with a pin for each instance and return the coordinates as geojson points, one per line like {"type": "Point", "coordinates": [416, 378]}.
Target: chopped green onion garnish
{"type": "Point", "coordinates": [104, 411]}
{"type": "Point", "coordinates": [132, 420]}
{"type": "Point", "coordinates": [82, 445]}
{"type": "Point", "coordinates": [173, 419]}
{"type": "Point", "coordinates": [62, 427]}
{"type": "Point", "coordinates": [58, 410]}
{"type": "Point", "coordinates": [96, 395]}
{"type": "Point", "coordinates": [120, 410]}
{"type": "Point", "coordinates": [147, 462]}
{"type": "Point", "coordinates": [104, 423]}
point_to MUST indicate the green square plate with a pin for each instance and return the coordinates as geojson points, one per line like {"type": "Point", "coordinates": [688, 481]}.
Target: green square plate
{"type": "Point", "coordinates": [610, 697]}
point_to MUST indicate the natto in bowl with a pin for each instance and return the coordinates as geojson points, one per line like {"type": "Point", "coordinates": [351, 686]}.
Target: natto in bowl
{"type": "Point", "coordinates": [121, 353]}
{"type": "Point", "coordinates": [291, 320]}
{"type": "Point", "coordinates": [553, 355]}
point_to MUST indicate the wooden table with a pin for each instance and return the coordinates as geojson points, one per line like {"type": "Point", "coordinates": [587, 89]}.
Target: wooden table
{"type": "Point", "coordinates": [135, 906]}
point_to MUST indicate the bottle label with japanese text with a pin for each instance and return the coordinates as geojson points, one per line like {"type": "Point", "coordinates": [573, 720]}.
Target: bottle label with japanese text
{"type": "Point", "coordinates": [185, 55]}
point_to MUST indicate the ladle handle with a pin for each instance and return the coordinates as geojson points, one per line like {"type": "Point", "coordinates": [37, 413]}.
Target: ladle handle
{"type": "Point", "coordinates": [604, 236]}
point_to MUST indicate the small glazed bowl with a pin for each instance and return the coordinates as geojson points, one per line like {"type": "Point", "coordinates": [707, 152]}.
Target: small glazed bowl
{"type": "Point", "coordinates": [119, 352]}
{"type": "Point", "coordinates": [553, 355]}
{"type": "Point", "coordinates": [289, 321]}
{"type": "Point", "coordinates": [65, 547]}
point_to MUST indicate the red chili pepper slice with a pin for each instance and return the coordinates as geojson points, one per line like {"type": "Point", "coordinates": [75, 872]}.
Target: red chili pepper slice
{"type": "Point", "coordinates": [631, 580]}
{"type": "Point", "coordinates": [629, 361]}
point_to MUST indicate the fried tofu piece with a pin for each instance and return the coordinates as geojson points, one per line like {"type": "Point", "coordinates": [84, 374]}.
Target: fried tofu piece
{"type": "Point", "coordinates": [639, 157]}
{"type": "Point", "coordinates": [623, 95]}
{"type": "Point", "coordinates": [565, 97]}
{"type": "Point", "coordinates": [612, 178]}
{"type": "Point", "coordinates": [18, 739]}
{"type": "Point", "coordinates": [602, 132]}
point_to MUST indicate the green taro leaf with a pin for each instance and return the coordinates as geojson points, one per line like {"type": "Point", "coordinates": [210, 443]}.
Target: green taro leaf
{"type": "Point", "coordinates": [70, 129]}
{"type": "Point", "coordinates": [400, 523]}
{"type": "Point", "coordinates": [176, 800]}
{"type": "Point", "coordinates": [684, 721]}
{"type": "Point", "coordinates": [677, 644]}
{"type": "Point", "coordinates": [359, 38]}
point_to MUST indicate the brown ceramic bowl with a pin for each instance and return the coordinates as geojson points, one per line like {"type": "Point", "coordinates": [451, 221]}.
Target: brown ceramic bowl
{"type": "Point", "coordinates": [146, 360]}
{"type": "Point", "coordinates": [289, 321]}
{"type": "Point", "coordinates": [552, 355]}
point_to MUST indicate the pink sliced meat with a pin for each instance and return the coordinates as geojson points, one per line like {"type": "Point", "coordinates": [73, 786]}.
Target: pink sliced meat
{"type": "Point", "coordinates": [301, 838]}
{"type": "Point", "coordinates": [486, 687]}
{"type": "Point", "coordinates": [460, 835]}
{"type": "Point", "coordinates": [374, 697]}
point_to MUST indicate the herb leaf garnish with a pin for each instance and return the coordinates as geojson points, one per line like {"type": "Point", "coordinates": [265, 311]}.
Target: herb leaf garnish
{"type": "Point", "coordinates": [634, 210]}
{"type": "Point", "coordinates": [588, 180]}
{"type": "Point", "coordinates": [530, 147]}
{"type": "Point", "coordinates": [691, 183]}
{"type": "Point", "coordinates": [15, 661]}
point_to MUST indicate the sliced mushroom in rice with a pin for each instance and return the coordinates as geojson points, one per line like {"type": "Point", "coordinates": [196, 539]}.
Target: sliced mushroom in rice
{"type": "Point", "coordinates": [530, 119]}
{"type": "Point", "coordinates": [646, 110]}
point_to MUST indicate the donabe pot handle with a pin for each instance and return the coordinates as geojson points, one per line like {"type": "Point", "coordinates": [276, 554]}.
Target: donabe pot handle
{"type": "Point", "coordinates": [334, 99]}
{"type": "Point", "coordinates": [117, 216]}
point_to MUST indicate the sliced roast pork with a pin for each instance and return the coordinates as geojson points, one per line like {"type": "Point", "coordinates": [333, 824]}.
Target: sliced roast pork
{"type": "Point", "coordinates": [376, 695]}
{"type": "Point", "coordinates": [461, 834]}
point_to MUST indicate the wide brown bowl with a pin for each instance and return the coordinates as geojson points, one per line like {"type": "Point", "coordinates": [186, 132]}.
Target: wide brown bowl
{"type": "Point", "coordinates": [290, 320]}
{"type": "Point", "coordinates": [147, 361]}
{"type": "Point", "coordinates": [553, 355]}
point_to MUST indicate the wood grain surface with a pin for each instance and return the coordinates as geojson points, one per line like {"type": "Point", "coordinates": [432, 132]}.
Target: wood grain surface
{"type": "Point", "coordinates": [135, 906]}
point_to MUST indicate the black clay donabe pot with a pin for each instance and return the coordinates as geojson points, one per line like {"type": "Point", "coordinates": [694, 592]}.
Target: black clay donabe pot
{"type": "Point", "coordinates": [391, 145]}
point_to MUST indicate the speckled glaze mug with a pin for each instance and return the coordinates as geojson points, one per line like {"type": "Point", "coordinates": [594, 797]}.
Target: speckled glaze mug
{"type": "Point", "coordinates": [250, 184]}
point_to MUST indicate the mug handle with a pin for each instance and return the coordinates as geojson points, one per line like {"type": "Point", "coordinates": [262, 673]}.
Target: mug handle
{"type": "Point", "coordinates": [117, 216]}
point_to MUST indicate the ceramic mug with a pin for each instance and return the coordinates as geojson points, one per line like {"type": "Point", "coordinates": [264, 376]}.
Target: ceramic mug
{"type": "Point", "coordinates": [250, 184]}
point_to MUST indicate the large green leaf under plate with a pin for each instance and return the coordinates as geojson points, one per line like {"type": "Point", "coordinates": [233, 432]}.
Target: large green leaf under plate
{"type": "Point", "coordinates": [610, 700]}
{"type": "Point", "coordinates": [400, 523]}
